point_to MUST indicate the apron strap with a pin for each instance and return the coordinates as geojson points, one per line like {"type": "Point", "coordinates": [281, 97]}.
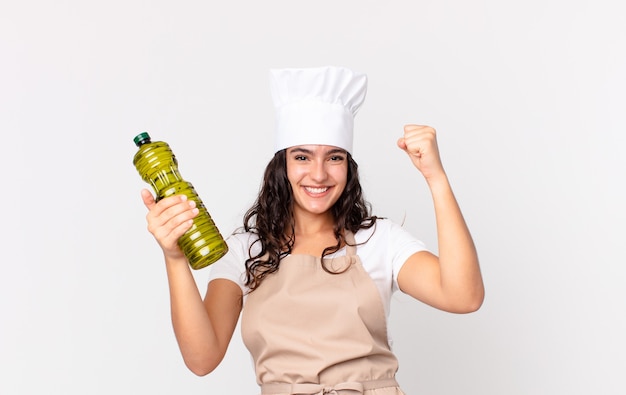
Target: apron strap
{"type": "Point", "coordinates": [350, 244]}
{"type": "Point", "coordinates": [347, 388]}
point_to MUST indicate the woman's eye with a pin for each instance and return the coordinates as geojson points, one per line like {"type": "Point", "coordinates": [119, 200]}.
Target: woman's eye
{"type": "Point", "coordinates": [336, 158]}
{"type": "Point", "coordinates": [300, 157]}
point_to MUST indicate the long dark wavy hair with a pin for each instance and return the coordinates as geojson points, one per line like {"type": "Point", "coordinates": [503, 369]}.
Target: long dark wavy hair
{"type": "Point", "coordinates": [272, 214]}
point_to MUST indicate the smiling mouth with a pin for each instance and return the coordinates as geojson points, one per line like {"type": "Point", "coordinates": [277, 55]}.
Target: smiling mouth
{"type": "Point", "coordinates": [316, 190]}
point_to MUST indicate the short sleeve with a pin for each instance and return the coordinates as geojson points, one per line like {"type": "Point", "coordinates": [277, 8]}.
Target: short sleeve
{"type": "Point", "coordinates": [402, 245]}
{"type": "Point", "coordinates": [232, 265]}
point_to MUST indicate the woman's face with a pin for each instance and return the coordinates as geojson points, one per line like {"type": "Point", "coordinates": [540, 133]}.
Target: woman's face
{"type": "Point", "coordinates": [318, 176]}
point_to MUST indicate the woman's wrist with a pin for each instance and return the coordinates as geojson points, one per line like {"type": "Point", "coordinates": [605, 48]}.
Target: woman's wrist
{"type": "Point", "coordinates": [176, 260]}
{"type": "Point", "coordinates": [438, 183]}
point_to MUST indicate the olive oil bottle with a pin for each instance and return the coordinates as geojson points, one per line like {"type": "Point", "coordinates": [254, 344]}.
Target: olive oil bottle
{"type": "Point", "coordinates": [202, 244]}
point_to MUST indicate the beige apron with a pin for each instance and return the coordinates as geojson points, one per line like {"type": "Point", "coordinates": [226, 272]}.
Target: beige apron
{"type": "Point", "coordinates": [312, 332]}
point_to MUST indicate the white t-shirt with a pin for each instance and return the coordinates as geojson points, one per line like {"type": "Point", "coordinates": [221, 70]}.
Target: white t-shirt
{"type": "Point", "coordinates": [382, 256]}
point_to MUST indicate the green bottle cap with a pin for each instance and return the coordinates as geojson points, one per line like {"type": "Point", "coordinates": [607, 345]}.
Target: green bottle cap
{"type": "Point", "coordinates": [141, 139]}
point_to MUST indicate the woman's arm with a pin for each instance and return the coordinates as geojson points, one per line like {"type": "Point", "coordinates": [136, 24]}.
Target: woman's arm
{"type": "Point", "coordinates": [452, 281]}
{"type": "Point", "coordinates": [203, 328]}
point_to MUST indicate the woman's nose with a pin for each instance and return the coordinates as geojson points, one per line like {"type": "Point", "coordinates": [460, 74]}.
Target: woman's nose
{"type": "Point", "coordinates": [318, 171]}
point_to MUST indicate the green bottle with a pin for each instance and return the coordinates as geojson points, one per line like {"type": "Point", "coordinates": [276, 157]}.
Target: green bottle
{"type": "Point", "coordinates": [202, 243]}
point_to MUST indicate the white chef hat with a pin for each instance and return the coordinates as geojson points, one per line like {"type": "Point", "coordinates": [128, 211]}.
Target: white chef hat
{"type": "Point", "coordinates": [316, 105]}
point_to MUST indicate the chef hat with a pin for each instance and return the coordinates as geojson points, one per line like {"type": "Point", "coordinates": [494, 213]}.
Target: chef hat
{"type": "Point", "coordinates": [316, 105]}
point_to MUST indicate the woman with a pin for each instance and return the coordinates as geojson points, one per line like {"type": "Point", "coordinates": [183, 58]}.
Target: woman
{"type": "Point", "coordinates": [313, 271]}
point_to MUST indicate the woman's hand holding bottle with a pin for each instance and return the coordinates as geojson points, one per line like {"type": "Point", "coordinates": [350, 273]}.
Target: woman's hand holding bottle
{"type": "Point", "coordinates": [168, 219]}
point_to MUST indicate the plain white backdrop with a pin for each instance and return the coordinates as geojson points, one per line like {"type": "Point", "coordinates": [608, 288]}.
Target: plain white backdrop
{"type": "Point", "coordinates": [528, 99]}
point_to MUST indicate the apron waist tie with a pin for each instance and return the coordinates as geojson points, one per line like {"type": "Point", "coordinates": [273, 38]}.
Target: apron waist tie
{"type": "Point", "coordinates": [347, 388]}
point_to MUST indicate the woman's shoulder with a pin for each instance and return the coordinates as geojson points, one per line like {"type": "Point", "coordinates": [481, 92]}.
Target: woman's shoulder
{"type": "Point", "coordinates": [241, 239]}
{"type": "Point", "coordinates": [380, 229]}
{"type": "Point", "coordinates": [386, 233]}
{"type": "Point", "coordinates": [242, 235]}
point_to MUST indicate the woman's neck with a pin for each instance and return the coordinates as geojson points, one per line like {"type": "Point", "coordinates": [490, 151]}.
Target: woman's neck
{"type": "Point", "coordinates": [313, 234]}
{"type": "Point", "coordinates": [307, 224]}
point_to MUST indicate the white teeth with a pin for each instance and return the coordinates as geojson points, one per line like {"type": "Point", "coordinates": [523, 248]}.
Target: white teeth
{"type": "Point", "coordinates": [316, 190]}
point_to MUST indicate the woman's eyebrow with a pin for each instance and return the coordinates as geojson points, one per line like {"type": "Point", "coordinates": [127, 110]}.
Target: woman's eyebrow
{"type": "Point", "coordinates": [332, 151]}
{"type": "Point", "coordinates": [336, 151]}
{"type": "Point", "coordinates": [303, 150]}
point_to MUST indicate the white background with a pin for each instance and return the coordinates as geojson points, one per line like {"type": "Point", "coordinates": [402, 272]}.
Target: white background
{"type": "Point", "coordinates": [528, 99]}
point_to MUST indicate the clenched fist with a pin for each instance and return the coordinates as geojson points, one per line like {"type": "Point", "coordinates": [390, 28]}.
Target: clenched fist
{"type": "Point", "coordinates": [420, 143]}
